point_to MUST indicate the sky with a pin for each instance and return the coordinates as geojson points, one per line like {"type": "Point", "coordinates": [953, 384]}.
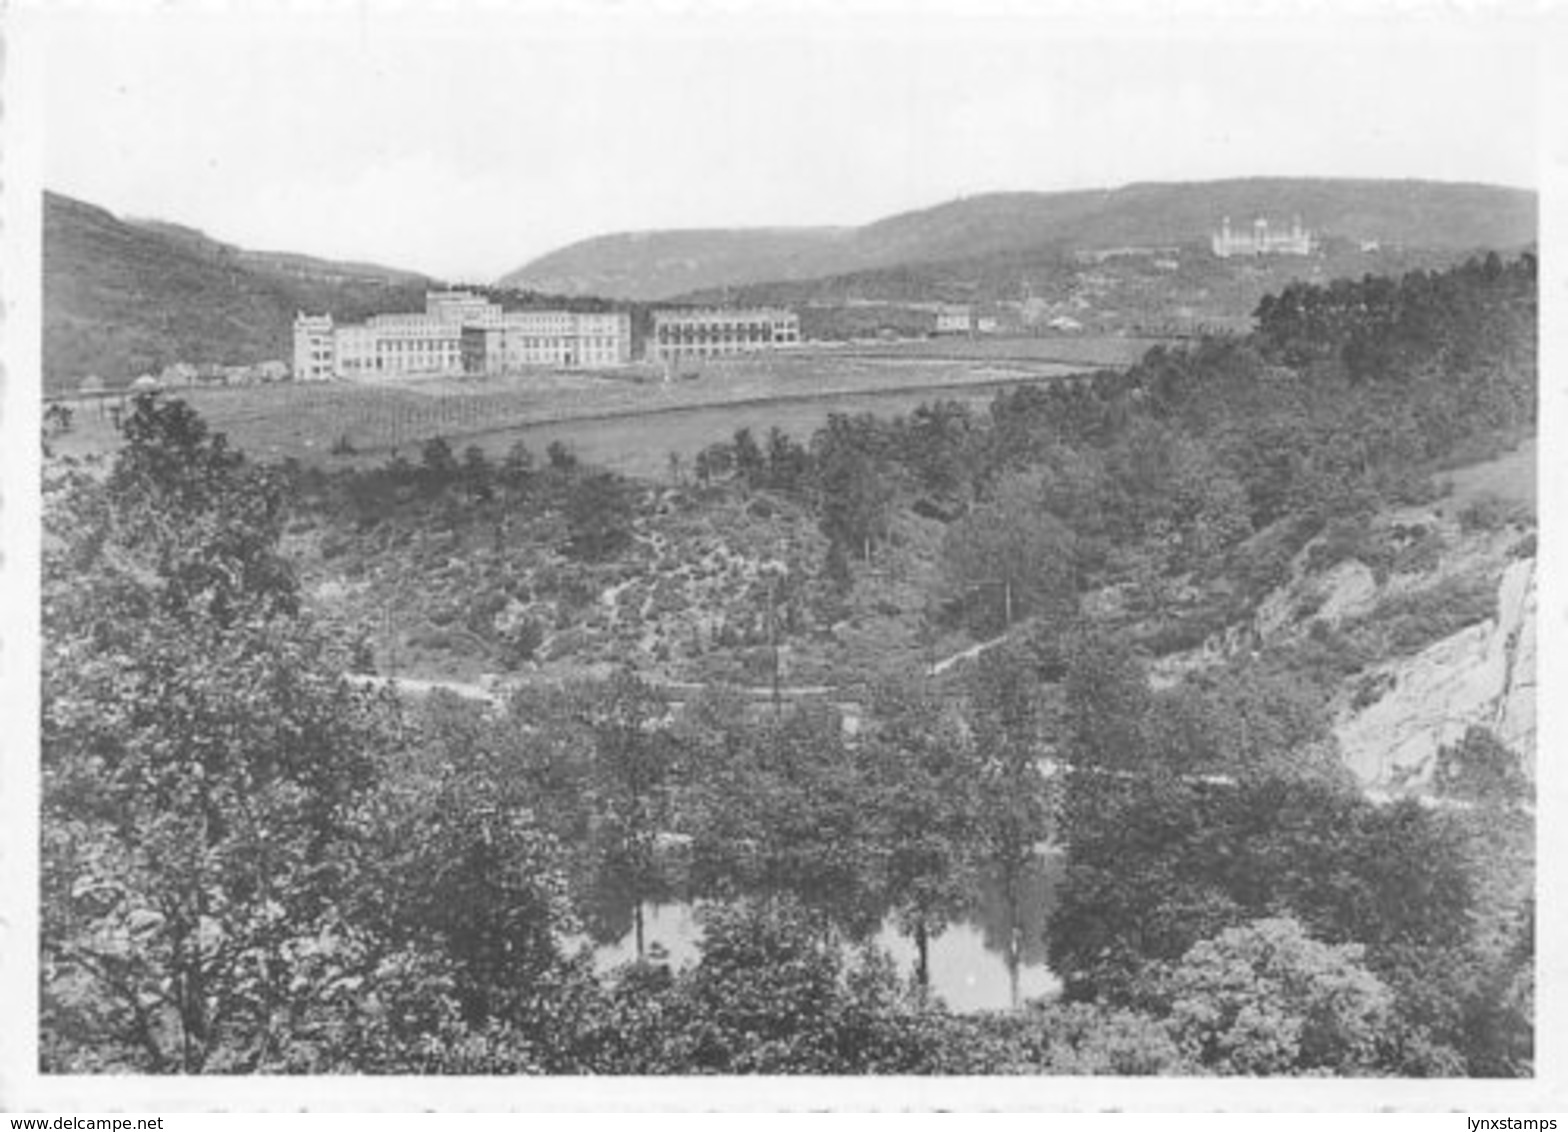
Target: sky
{"type": "Point", "coordinates": [464, 140]}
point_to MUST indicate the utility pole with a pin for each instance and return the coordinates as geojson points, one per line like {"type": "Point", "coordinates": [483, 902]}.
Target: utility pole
{"type": "Point", "coordinates": [386, 621]}
{"type": "Point", "coordinates": [773, 644]}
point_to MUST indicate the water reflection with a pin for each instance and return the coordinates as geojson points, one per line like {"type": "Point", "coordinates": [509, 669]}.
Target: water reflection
{"type": "Point", "coordinates": [969, 968]}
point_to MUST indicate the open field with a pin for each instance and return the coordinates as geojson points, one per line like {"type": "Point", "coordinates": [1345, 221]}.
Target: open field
{"type": "Point", "coordinates": [630, 419]}
{"type": "Point", "coordinates": [1089, 350]}
{"type": "Point", "coordinates": [639, 444]}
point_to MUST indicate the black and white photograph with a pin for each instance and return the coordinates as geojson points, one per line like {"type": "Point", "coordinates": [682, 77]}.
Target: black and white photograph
{"type": "Point", "coordinates": [982, 557]}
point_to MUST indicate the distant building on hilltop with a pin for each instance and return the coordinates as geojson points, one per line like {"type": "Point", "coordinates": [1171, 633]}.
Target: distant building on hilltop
{"type": "Point", "coordinates": [717, 332]}
{"type": "Point", "coordinates": [458, 333]}
{"type": "Point", "coordinates": [1259, 240]}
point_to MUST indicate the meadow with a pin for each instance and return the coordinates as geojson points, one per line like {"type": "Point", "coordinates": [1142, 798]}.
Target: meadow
{"type": "Point", "coordinates": [1110, 351]}
{"type": "Point", "coordinates": [630, 420]}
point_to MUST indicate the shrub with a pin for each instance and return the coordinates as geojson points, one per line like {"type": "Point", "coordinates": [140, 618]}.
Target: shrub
{"type": "Point", "coordinates": [522, 643]}
{"type": "Point", "coordinates": [1480, 768]}
{"type": "Point", "coordinates": [1421, 555]}
{"type": "Point", "coordinates": [1370, 689]}
{"type": "Point", "coordinates": [1410, 622]}
{"type": "Point", "coordinates": [1493, 513]}
{"type": "Point", "coordinates": [436, 640]}
{"type": "Point", "coordinates": [1342, 540]}
{"type": "Point", "coordinates": [1266, 998]}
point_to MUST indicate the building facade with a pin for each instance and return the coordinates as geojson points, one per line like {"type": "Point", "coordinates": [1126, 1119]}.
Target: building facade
{"type": "Point", "coordinates": [711, 333]}
{"type": "Point", "coordinates": [1259, 240]}
{"type": "Point", "coordinates": [954, 319]}
{"type": "Point", "coordinates": [458, 333]}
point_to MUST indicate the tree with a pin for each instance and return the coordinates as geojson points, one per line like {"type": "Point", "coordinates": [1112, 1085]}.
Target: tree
{"type": "Point", "coordinates": [856, 496]}
{"type": "Point", "coordinates": [204, 766]}
{"type": "Point", "coordinates": [437, 463]}
{"type": "Point", "coordinates": [517, 468]}
{"type": "Point", "coordinates": [769, 996]}
{"type": "Point", "coordinates": [477, 475]}
{"type": "Point", "coordinates": [1267, 999]}
{"type": "Point", "coordinates": [1106, 723]}
{"type": "Point", "coordinates": [924, 777]}
{"type": "Point", "coordinates": [1480, 768]}
{"type": "Point", "coordinates": [1013, 546]}
{"type": "Point", "coordinates": [472, 878]}
{"type": "Point", "coordinates": [1016, 805]}
{"type": "Point", "coordinates": [791, 812]}
{"type": "Point", "coordinates": [560, 456]}
{"type": "Point", "coordinates": [599, 513]}
{"type": "Point", "coordinates": [937, 443]}
{"type": "Point", "coordinates": [714, 462]}
{"type": "Point", "coordinates": [750, 465]}
{"type": "Point", "coordinates": [631, 785]}
{"type": "Point", "coordinates": [788, 462]}
{"type": "Point", "coordinates": [1153, 867]}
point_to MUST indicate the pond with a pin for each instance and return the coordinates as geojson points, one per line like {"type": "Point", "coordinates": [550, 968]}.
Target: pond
{"type": "Point", "coordinates": [969, 969]}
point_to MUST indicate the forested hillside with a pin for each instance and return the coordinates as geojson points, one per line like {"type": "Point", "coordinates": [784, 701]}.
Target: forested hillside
{"type": "Point", "coordinates": [253, 863]}
{"type": "Point", "coordinates": [1404, 214]}
{"type": "Point", "coordinates": [123, 299]}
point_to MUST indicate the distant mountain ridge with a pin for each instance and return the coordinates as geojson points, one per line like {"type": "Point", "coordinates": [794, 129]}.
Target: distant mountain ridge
{"type": "Point", "coordinates": [282, 263]}
{"type": "Point", "coordinates": [658, 265]}
{"type": "Point", "coordinates": [643, 265]}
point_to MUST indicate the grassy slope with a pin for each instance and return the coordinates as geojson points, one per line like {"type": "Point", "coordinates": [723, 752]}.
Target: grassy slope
{"type": "Point", "coordinates": [123, 299]}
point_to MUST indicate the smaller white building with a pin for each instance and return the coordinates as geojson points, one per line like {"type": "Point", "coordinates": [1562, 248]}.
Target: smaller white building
{"type": "Point", "coordinates": [315, 348]}
{"type": "Point", "coordinates": [720, 332]}
{"type": "Point", "coordinates": [954, 319]}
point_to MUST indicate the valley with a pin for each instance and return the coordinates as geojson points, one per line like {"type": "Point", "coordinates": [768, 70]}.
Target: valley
{"type": "Point", "coordinates": [983, 692]}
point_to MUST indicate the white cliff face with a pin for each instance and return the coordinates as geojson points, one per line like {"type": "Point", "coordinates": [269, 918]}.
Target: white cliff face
{"type": "Point", "coordinates": [1515, 718]}
{"type": "Point", "coordinates": [1391, 718]}
{"type": "Point", "coordinates": [1483, 675]}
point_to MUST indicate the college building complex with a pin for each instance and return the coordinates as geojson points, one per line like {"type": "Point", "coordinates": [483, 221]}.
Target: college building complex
{"type": "Point", "coordinates": [678, 335]}
{"type": "Point", "coordinates": [1259, 240]}
{"type": "Point", "coordinates": [458, 333]}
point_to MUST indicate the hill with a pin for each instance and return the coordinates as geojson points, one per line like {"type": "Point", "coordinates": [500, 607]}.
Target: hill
{"type": "Point", "coordinates": [124, 297]}
{"type": "Point", "coordinates": [665, 264]}
{"type": "Point", "coordinates": [655, 265]}
{"type": "Point", "coordinates": [280, 263]}
{"type": "Point", "coordinates": [1178, 292]}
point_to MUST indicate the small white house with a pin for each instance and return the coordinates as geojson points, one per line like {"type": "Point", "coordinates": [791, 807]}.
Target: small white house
{"type": "Point", "coordinates": [954, 320]}
{"type": "Point", "coordinates": [178, 374]}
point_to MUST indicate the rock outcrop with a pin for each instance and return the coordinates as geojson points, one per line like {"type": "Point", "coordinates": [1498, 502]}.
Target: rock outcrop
{"type": "Point", "coordinates": [1483, 675]}
{"type": "Point", "coordinates": [1404, 701]}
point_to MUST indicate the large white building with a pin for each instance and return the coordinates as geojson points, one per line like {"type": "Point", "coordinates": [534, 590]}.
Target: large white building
{"type": "Point", "coordinates": [1259, 240]}
{"type": "Point", "coordinates": [458, 333]}
{"type": "Point", "coordinates": [712, 332]}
